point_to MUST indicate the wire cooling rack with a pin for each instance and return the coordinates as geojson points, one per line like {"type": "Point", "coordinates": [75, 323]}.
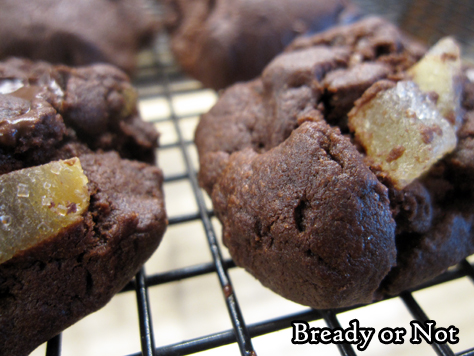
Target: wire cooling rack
{"type": "Point", "coordinates": [174, 102]}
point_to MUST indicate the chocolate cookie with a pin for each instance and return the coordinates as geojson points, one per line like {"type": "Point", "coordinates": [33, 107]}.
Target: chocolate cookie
{"type": "Point", "coordinates": [223, 42]}
{"type": "Point", "coordinates": [97, 103]}
{"type": "Point", "coordinates": [50, 286]}
{"type": "Point", "coordinates": [308, 218]}
{"type": "Point", "coordinates": [82, 243]}
{"type": "Point", "coordinates": [303, 205]}
{"type": "Point", "coordinates": [77, 33]}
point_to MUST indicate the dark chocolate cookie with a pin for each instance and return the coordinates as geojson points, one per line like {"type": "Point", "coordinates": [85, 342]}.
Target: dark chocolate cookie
{"type": "Point", "coordinates": [74, 270]}
{"type": "Point", "coordinates": [50, 286]}
{"type": "Point", "coordinates": [308, 218]}
{"type": "Point", "coordinates": [225, 41]}
{"type": "Point", "coordinates": [302, 206]}
{"type": "Point", "coordinates": [97, 102]}
{"type": "Point", "coordinates": [77, 32]}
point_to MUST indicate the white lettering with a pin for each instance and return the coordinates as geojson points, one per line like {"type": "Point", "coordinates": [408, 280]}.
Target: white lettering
{"type": "Point", "coordinates": [417, 327]}
{"type": "Point", "coordinates": [300, 335]}
{"type": "Point", "coordinates": [367, 334]}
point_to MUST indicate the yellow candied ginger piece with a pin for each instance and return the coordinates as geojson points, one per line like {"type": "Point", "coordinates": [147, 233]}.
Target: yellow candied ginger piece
{"type": "Point", "coordinates": [38, 202]}
{"type": "Point", "coordinates": [402, 132]}
{"type": "Point", "coordinates": [439, 71]}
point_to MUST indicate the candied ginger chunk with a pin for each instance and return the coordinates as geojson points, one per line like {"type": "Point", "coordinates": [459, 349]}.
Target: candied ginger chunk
{"type": "Point", "coordinates": [402, 132]}
{"type": "Point", "coordinates": [439, 71]}
{"type": "Point", "coordinates": [39, 202]}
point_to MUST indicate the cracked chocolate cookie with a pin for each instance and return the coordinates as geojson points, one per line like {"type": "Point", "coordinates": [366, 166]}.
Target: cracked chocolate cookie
{"type": "Point", "coordinates": [97, 105]}
{"type": "Point", "coordinates": [76, 222]}
{"type": "Point", "coordinates": [342, 174]}
{"type": "Point", "coordinates": [226, 41]}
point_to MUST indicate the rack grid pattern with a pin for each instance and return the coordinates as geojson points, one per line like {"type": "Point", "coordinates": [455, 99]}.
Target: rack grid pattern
{"type": "Point", "coordinates": [161, 77]}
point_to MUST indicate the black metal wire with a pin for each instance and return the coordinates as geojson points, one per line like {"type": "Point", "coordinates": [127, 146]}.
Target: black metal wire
{"type": "Point", "coordinates": [331, 320]}
{"type": "Point", "coordinates": [144, 316]}
{"type": "Point", "coordinates": [54, 346]}
{"type": "Point", "coordinates": [180, 274]}
{"type": "Point", "coordinates": [469, 352]}
{"type": "Point", "coordinates": [240, 328]}
{"type": "Point", "coordinates": [227, 337]}
{"type": "Point", "coordinates": [183, 218]}
{"type": "Point", "coordinates": [418, 313]}
{"type": "Point", "coordinates": [468, 269]}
